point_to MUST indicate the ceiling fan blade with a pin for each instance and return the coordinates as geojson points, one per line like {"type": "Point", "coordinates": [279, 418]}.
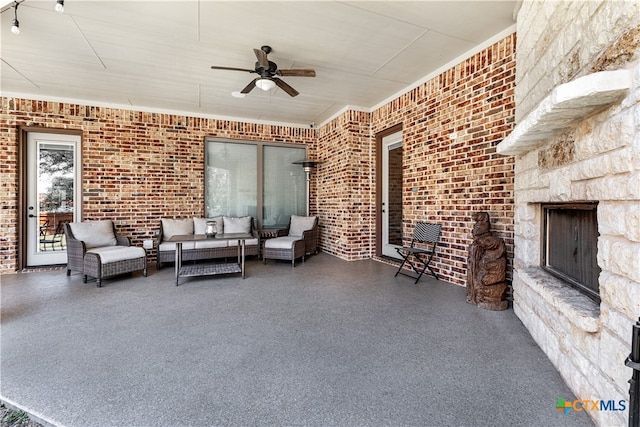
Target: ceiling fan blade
{"type": "Point", "coordinates": [297, 73]}
{"type": "Point", "coordinates": [285, 87]}
{"type": "Point", "coordinates": [249, 87]}
{"type": "Point", "coordinates": [215, 67]}
{"type": "Point", "coordinates": [262, 58]}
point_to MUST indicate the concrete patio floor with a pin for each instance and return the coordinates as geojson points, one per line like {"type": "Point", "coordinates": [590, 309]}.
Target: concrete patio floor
{"type": "Point", "coordinates": [327, 343]}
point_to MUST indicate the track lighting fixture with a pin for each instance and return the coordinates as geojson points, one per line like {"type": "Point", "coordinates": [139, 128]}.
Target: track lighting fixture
{"type": "Point", "coordinates": [15, 24]}
{"type": "Point", "coordinates": [59, 6]}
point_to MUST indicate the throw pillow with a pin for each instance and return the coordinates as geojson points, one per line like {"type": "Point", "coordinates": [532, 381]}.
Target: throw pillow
{"type": "Point", "coordinates": [237, 225]}
{"type": "Point", "coordinates": [176, 227]}
{"type": "Point", "coordinates": [300, 224]}
{"type": "Point", "coordinates": [94, 234]}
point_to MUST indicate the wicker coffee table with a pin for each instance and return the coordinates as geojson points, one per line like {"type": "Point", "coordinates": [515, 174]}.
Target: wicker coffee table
{"type": "Point", "coordinates": [213, 268]}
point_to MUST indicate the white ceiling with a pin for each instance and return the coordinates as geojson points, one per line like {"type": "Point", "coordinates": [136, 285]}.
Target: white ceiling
{"type": "Point", "coordinates": [156, 55]}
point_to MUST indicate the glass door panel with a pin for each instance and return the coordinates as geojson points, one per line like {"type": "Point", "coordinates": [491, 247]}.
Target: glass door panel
{"type": "Point", "coordinates": [52, 193]}
{"type": "Point", "coordinates": [392, 194]}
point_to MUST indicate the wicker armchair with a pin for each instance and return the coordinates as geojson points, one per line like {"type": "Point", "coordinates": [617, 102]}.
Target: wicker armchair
{"type": "Point", "coordinates": [297, 241]}
{"type": "Point", "coordinates": [94, 249]}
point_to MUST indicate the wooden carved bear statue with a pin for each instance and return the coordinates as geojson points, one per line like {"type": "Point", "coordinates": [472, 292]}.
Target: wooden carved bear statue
{"type": "Point", "coordinates": [487, 264]}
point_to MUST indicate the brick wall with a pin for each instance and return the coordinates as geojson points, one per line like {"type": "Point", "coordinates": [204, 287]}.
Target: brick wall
{"type": "Point", "coordinates": [139, 167]}
{"type": "Point", "coordinates": [450, 126]}
{"type": "Point", "coordinates": [344, 186]}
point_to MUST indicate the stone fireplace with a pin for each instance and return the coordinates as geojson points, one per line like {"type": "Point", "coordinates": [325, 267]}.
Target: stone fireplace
{"type": "Point", "coordinates": [577, 146]}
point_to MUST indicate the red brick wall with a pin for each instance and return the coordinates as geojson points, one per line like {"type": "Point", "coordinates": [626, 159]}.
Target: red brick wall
{"type": "Point", "coordinates": [459, 176]}
{"type": "Point", "coordinates": [453, 177]}
{"type": "Point", "coordinates": [343, 184]}
{"type": "Point", "coordinates": [139, 167]}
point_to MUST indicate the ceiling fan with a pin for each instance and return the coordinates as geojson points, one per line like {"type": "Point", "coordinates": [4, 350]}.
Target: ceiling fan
{"type": "Point", "coordinates": [269, 73]}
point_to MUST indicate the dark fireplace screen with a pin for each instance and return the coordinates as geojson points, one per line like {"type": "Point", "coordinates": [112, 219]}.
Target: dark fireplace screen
{"type": "Point", "coordinates": [570, 245]}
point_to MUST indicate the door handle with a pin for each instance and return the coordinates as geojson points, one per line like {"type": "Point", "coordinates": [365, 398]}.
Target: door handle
{"type": "Point", "coordinates": [31, 216]}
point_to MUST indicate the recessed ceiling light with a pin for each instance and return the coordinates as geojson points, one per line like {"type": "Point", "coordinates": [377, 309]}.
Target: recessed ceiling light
{"type": "Point", "coordinates": [237, 94]}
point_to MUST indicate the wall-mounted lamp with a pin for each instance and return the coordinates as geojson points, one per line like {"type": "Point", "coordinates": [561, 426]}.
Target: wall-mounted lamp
{"type": "Point", "coordinates": [307, 165]}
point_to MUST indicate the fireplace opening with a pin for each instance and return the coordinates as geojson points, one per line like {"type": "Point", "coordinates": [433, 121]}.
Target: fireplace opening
{"type": "Point", "coordinates": [570, 245]}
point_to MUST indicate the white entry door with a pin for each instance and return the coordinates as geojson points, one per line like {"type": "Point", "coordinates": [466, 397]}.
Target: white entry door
{"type": "Point", "coordinates": [392, 194]}
{"type": "Point", "coordinates": [53, 195]}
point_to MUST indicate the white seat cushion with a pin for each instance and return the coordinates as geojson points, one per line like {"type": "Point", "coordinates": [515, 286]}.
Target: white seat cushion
{"type": "Point", "coordinates": [284, 242]}
{"type": "Point", "coordinates": [110, 254]}
{"type": "Point", "coordinates": [246, 242]}
{"type": "Point", "coordinates": [94, 234]}
{"type": "Point", "coordinates": [171, 246]}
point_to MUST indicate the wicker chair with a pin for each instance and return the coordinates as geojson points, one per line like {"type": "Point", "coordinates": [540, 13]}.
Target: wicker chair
{"type": "Point", "coordinates": [297, 241]}
{"type": "Point", "coordinates": [94, 249]}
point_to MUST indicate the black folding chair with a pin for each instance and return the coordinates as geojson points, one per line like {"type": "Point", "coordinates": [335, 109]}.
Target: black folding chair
{"type": "Point", "coordinates": [426, 235]}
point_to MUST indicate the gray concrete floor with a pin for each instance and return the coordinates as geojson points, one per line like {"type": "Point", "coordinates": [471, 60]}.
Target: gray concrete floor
{"type": "Point", "coordinates": [328, 343]}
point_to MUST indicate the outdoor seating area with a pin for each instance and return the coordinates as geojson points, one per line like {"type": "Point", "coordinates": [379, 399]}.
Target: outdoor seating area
{"type": "Point", "coordinates": [96, 250]}
{"type": "Point", "coordinates": [420, 213]}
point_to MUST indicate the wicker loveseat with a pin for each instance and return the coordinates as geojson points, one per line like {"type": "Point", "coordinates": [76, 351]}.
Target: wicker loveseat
{"type": "Point", "coordinates": [94, 249]}
{"type": "Point", "coordinates": [195, 245]}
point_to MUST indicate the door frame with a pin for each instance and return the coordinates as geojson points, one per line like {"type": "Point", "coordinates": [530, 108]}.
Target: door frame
{"type": "Point", "coordinates": [23, 165]}
{"type": "Point", "coordinates": [378, 197]}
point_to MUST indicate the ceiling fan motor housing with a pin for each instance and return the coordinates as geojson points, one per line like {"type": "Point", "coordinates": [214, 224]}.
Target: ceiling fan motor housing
{"type": "Point", "coordinates": [268, 72]}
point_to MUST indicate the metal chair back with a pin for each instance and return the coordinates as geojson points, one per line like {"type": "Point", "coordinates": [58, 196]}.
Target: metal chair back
{"type": "Point", "coordinates": [426, 233]}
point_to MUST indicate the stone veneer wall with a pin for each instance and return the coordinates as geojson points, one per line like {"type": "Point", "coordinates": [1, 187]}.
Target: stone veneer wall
{"type": "Point", "coordinates": [597, 160]}
{"type": "Point", "coordinates": [139, 167]}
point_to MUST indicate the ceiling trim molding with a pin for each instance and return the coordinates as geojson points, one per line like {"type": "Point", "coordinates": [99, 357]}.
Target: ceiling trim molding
{"type": "Point", "coordinates": [151, 110]}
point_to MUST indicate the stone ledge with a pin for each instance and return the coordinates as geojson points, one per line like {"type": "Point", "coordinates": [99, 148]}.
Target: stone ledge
{"type": "Point", "coordinates": [565, 106]}
{"type": "Point", "coordinates": [579, 309]}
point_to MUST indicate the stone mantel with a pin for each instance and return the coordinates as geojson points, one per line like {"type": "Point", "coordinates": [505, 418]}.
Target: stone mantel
{"type": "Point", "coordinates": [566, 105]}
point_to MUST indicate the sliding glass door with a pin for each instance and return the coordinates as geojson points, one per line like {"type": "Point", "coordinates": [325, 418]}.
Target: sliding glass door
{"type": "Point", "coordinates": [256, 179]}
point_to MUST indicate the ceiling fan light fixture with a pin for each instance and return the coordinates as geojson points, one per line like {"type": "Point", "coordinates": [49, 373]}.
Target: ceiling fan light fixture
{"type": "Point", "coordinates": [265, 84]}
